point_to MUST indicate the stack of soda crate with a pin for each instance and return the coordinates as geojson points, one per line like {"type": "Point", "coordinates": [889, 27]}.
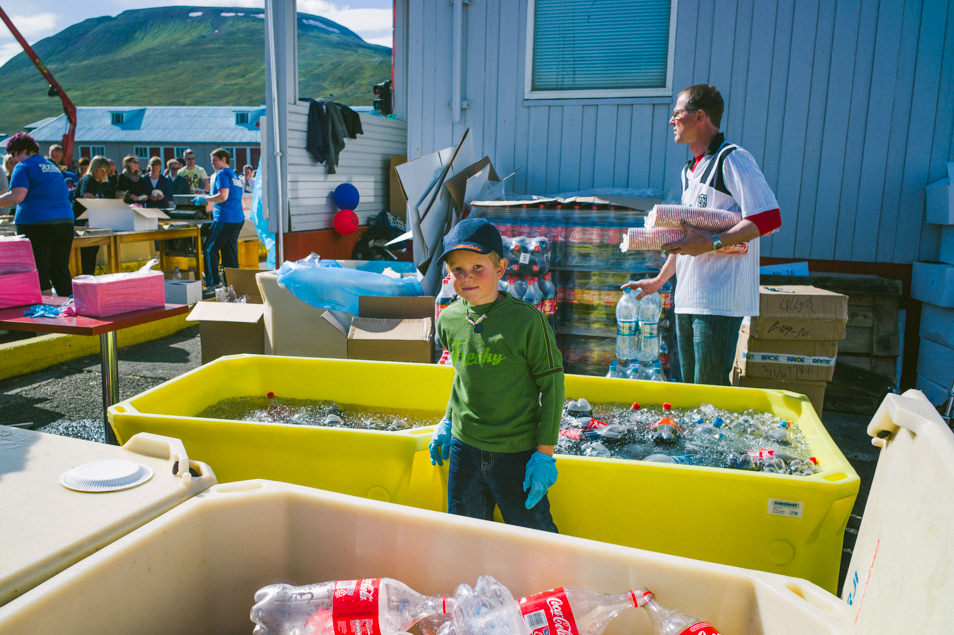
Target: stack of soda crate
{"type": "Point", "coordinates": [793, 343]}
{"type": "Point", "coordinates": [587, 270]}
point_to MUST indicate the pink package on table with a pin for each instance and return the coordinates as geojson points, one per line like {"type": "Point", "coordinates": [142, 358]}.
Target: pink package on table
{"type": "Point", "coordinates": [699, 217]}
{"type": "Point", "coordinates": [21, 288]}
{"type": "Point", "coordinates": [115, 293]}
{"type": "Point", "coordinates": [16, 254]}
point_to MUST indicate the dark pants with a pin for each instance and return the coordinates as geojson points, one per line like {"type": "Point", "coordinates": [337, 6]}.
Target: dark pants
{"type": "Point", "coordinates": [706, 347]}
{"type": "Point", "coordinates": [478, 479]}
{"type": "Point", "coordinates": [51, 250]}
{"type": "Point", "coordinates": [223, 239]}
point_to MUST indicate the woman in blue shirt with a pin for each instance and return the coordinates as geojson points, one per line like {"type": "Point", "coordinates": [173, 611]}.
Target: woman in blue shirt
{"type": "Point", "coordinates": [44, 213]}
{"type": "Point", "coordinates": [228, 216]}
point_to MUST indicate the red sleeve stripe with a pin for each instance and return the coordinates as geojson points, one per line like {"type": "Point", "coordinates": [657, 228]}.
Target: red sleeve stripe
{"type": "Point", "coordinates": [767, 221]}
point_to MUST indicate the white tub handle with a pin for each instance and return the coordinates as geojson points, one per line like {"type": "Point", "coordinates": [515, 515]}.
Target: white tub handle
{"type": "Point", "coordinates": [162, 447]}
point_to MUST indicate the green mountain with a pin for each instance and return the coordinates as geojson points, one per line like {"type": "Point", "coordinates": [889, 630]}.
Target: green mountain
{"type": "Point", "coordinates": [185, 56]}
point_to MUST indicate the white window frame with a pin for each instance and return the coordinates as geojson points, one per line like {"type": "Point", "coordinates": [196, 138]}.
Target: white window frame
{"type": "Point", "coordinates": [92, 151]}
{"type": "Point", "coordinates": [242, 114]}
{"type": "Point", "coordinates": [144, 156]}
{"type": "Point", "coordinates": [662, 91]}
{"type": "Point", "coordinates": [117, 118]}
{"type": "Point", "coordinates": [178, 151]}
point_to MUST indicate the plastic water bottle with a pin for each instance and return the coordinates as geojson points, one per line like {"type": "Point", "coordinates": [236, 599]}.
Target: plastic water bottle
{"type": "Point", "coordinates": [650, 307]}
{"type": "Point", "coordinates": [579, 611]}
{"type": "Point", "coordinates": [614, 371]}
{"type": "Point", "coordinates": [668, 621]}
{"type": "Point", "coordinates": [177, 275]}
{"type": "Point", "coordinates": [626, 326]}
{"type": "Point", "coordinates": [487, 608]}
{"type": "Point", "coordinates": [657, 372]}
{"type": "Point", "coordinates": [664, 432]}
{"type": "Point", "coordinates": [711, 431]}
{"type": "Point", "coordinates": [678, 459]}
{"type": "Point", "coordinates": [533, 294]}
{"type": "Point", "coordinates": [381, 605]}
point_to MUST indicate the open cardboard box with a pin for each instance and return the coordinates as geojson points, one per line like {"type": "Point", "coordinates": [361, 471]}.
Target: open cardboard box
{"type": "Point", "coordinates": [112, 213]}
{"type": "Point", "coordinates": [229, 328]}
{"type": "Point", "coordinates": [294, 327]}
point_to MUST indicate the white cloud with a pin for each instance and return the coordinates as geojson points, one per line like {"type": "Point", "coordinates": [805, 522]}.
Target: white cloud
{"type": "Point", "coordinates": [32, 27]}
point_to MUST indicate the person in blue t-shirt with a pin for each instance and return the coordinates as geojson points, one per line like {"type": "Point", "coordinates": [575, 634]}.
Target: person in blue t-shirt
{"type": "Point", "coordinates": [227, 217]}
{"type": "Point", "coordinates": [44, 212]}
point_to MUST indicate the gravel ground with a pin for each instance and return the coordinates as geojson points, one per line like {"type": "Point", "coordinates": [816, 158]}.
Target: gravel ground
{"type": "Point", "coordinates": [67, 399]}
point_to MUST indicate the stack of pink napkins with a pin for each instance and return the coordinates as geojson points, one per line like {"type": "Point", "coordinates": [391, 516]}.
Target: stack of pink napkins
{"type": "Point", "coordinates": [19, 281]}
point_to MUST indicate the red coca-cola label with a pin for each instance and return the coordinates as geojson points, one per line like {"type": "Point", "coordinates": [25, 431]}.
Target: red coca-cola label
{"type": "Point", "coordinates": [354, 607]}
{"type": "Point", "coordinates": [700, 628]}
{"type": "Point", "coordinates": [549, 306]}
{"type": "Point", "coordinates": [571, 433]}
{"type": "Point", "coordinates": [549, 613]}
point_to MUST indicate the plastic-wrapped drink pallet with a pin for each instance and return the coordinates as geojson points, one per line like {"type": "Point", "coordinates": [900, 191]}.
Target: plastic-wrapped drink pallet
{"type": "Point", "coordinates": [784, 524]}
{"type": "Point", "coordinates": [289, 533]}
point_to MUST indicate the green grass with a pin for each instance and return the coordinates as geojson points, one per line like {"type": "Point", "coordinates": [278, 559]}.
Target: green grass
{"type": "Point", "coordinates": [162, 57]}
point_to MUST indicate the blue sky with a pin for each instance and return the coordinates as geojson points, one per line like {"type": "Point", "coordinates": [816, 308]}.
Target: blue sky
{"type": "Point", "coordinates": [37, 19]}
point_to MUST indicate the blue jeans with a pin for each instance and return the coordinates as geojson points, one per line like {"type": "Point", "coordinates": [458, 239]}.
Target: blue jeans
{"type": "Point", "coordinates": [479, 479]}
{"type": "Point", "coordinates": [223, 239]}
{"type": "Point", "coordinates": [706, 347]}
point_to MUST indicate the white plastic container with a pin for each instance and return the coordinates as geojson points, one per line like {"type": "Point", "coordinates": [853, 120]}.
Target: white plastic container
{"type": "Point", "coordinates": [45, 526]}
{"type": "Point", "coordinates": [195, 568]}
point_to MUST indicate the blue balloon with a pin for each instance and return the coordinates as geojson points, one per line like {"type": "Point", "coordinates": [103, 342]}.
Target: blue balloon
{"type": "Point", "coordinates": [346, 196]}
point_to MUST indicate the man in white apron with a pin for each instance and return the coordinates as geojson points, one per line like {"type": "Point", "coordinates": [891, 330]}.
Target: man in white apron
{"type": "Point", "coordinates": [714, 290]}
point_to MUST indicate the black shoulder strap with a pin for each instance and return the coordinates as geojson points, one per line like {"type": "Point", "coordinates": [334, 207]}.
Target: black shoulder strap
{"type": "Point", "coordinates": [712, 176]}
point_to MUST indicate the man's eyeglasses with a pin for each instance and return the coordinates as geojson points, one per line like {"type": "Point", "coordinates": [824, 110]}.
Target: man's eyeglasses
{"type": "Point", "coordinates": [678, 113]}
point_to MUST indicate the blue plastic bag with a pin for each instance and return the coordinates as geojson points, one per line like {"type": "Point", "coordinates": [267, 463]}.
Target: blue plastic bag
{"type": "Point", "coordinates": [325, 284]}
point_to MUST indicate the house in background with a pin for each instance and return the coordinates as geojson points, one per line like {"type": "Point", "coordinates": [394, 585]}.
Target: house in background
{"type": "Point", "coordinates": [163, 131]}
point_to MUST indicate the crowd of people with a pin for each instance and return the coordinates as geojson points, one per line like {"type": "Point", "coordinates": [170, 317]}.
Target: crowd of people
{"type": "Point", "coordinates": [46, 192]}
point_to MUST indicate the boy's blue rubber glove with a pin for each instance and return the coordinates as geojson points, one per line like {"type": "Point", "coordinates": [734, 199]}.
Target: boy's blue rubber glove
{"type": "Point", "coordinates": [199, 201]}
{"type": "Point", "coordinates": [541, 474]}
{"type": "Point", "coordinates": [441, 442]}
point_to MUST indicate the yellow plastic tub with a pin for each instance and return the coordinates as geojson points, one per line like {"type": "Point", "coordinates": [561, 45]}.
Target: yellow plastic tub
{"type": "Point", "coordinates": [778, 523]}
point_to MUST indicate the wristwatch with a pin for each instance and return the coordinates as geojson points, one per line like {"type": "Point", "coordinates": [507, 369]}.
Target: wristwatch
{"type": "Point", "coordinates": [716, 242]}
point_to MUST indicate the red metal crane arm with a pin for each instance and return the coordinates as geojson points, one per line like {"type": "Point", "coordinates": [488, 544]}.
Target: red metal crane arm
{"type": "Point", "coordinates": [55, 88]}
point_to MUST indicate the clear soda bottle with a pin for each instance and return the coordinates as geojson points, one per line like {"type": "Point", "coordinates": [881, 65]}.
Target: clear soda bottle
{"type": "Point", "coordinates": [488, 608]}
{"type": "Point", "coordinates": [626, 324]}
{"type": "Point", "coordinates": [650, 306]}
{"type": "Point", "coordinates": [534, 295]}
{"type": "Point", "coordinates": [563, 611]}
{"type": "Point", "coordinates": [667, 621]}
{"type": "Point", "coordinates": [345, 607]}
{"type": "Point", "coordinates": [550, 301]}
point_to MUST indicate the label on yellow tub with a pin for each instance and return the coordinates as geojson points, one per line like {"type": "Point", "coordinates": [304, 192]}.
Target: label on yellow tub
{"type": "Point", "coordinates": [777, 507]}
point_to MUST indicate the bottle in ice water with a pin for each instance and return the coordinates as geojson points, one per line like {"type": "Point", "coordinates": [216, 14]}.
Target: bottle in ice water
{"type": "Point", "coordinates": [678, 459]}
{"type": "Point", "coordinates": [348, 607]}
{"type": "Point", "coordinates": [664, 432]}
{"type": "Point", "coordinates": [573, 611]}
{"type": "Point", "coordinates": [626, 325]}
{"type": "Point", "coordinates": [667, 621]}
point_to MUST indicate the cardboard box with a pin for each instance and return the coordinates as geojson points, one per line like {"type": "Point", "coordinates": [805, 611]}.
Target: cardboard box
{"type": "Point", "coordinates": [397, 203]}
{"type": "Point", "coordinates": [396, 340]}
{"type": "Point", "coordinates": [229, 328]}
{"type": "Point", "coordinates": [814, 390]}
{"type": "Point", "coordinates": [117, 293]}
{"type": "Point", "coordinates": [785, 359]}
{"type": "Point", "coordinates": [799, 312]}
{"type": "Point", "coordinates": [243, 281]}
{"type": "Point", "coordinates": [116, 215]}
{"type": "Point", "coordinates": [412, 306]}
{"type": "Point", "coordinates": [183, 291]}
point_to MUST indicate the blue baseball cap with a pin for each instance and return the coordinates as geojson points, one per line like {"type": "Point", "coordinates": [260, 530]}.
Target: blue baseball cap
{"type": "Point", "coordinates": [473, 234]}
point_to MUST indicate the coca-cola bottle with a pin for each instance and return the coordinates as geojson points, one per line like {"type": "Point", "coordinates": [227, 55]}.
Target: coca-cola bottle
{"type": "Point", "coordinates": [573, 611]}
{"type": "Point", "coordinates": [350, 607]}
{"type": "Point", "coordinates": [443, 300]}
{"type": "Point", "coordinates": [534, 295]}
{"type": "Point", "coordinates": [550, 302]}
{"type": "Point", "coordinates": [668, 621]}
{"type": "Point", "coordinates": [518, 257]}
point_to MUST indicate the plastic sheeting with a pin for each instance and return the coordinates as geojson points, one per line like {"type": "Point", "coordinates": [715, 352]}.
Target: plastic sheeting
{"type": "Point", "coordinates": [325, 284]}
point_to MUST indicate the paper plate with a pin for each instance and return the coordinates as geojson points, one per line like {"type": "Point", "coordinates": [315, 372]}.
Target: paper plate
{"type": "Point", "coordinates": [106, 476]}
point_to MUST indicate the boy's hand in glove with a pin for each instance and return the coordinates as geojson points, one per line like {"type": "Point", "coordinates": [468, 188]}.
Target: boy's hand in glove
{"type": "Point", "coordinates": [541, 474]}
{"type": "Point", "coordinates": [441, 442]}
